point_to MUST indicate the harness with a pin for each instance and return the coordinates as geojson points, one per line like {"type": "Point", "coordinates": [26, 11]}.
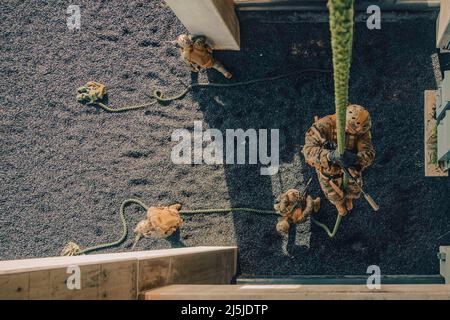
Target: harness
{"type": "Point", "coordinates": [198, 54]}
{"type": "Point", "coordinates": [350, 139]}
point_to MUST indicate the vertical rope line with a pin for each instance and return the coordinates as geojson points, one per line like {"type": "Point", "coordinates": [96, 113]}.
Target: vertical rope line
{"type": "Point", "coordinates": [341, 28]}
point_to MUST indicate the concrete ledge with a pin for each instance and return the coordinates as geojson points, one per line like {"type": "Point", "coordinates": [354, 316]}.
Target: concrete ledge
{"type": "Point", "coordinates": [215, 19]}
{"type": "Point", "coordinates": [116, 275]}
{"type": "Point", "coordinates": [300, 292]}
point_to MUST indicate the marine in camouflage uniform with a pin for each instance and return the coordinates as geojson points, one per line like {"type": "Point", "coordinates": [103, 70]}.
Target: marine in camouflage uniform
{"type": "Point", "coordinates": [295, 208]}
{"type": "Point", "coordinates": [320, 152]}
{"type": "Point", "coordinates": [161, 222]}
{"type": "Point", "coordinates": [198, 54]}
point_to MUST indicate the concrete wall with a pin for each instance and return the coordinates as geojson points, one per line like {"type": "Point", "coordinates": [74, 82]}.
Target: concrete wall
{"type": "Point", "coordinates": [444, 262]}
{"type": "Point", "coordinates": [215, 19]}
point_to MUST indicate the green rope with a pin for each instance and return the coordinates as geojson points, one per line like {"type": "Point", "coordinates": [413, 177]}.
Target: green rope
{"type": "Point", "coordinates": [252, 210]}
{"type": "Point", "coordinates": [72, 249]}
{"type": "Point", "coordinates": [160, 96]}
{"type": "Point", "coordinates": [324, 227]}
{"type": "Point", "coordinates": [341, 27]}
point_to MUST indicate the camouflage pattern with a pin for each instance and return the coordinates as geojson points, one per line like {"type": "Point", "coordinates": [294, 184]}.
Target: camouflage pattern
{"type": "Point", "coordinates": [197, 53]}
{"type": "Point", "coordinates": [161, 222]}
{"type": "Point", "coordinates": [295, 208]}
{"type": "Point", "coordinates": [91, 92]}
{"type": "Point", "coordinates": [316, 150]}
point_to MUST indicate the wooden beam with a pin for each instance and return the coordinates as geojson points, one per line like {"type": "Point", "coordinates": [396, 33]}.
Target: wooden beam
{"type": "Point", "coordinates": [116, 275]}
{"type": "Point", "coordinates": [299, 292]}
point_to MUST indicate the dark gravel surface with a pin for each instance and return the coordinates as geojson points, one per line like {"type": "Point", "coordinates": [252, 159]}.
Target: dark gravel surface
{"type": "Point", "coordinates": [65, 167]}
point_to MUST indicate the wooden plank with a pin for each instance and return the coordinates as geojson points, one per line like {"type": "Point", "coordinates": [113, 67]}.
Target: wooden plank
{"type": "Point", "coordinates": [113, 276]}
{"type": "Point", "coordinates": [117, 281]}
{"type": "Point", "coordinates": [29, 265]}
{"type": "Point", "coordinates": [89, 284]}
{"type": "Point", "coordinates": [40, 285]}
{"type": "Point", "coordinates": [153, 273]}
{"type": "Point", "coordinates": [299, 292]}
{"type": "Point", "coordinates": [430, 146]}
{"type": "Point", "coordinates": [203, 268]}
{"type": "Point", "coordinates": [14, 287]}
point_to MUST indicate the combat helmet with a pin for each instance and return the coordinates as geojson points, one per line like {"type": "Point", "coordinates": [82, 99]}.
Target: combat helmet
{"type": "Point", "coordinates": [358, 120]}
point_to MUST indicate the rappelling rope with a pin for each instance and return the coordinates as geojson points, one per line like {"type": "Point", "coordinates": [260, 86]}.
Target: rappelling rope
{"type": "Point", "coordinates": [331, 234]}
{"type": "Point", "coordinates": [73, 249]}
{"type": "Point", "coordinates": [341, 28]}
{"type": "Point", "coordinates": [252, 210]}
{"type": "Point", "coordinates": [160, 96]}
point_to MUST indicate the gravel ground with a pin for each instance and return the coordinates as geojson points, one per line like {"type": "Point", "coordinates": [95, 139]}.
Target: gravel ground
{"type": "Point", "coordinates": [65, 167]}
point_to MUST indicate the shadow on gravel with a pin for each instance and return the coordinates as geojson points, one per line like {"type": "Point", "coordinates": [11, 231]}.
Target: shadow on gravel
{"type": "Point", "coordinates": [269, 105]}
{"type": "Point", "coordinates": [381, 80]}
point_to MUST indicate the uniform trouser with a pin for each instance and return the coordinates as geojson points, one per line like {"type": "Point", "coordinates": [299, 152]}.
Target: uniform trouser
{"type": "Point", "coordinates": [220, 67]}
{"type": "Point", "coordinates": [306, 210]}
{"type": "Point", "coordinates": [333, 189]}
{"type": "Point", "coordinates": [217, 65]}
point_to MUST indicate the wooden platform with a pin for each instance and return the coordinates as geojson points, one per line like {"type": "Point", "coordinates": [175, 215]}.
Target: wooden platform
{"type": "Point", "coordinates": [299, 292]}
{"type": "Point", "coordinates": [430, 136]}
{"type": "Point", "coordinates": [116, 275]}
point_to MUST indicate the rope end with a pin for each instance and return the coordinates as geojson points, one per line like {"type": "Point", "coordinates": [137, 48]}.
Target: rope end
{"type": "Point", "coordinates": [71, 249]}
{"type": "Point", "coordinates": [136, 240]}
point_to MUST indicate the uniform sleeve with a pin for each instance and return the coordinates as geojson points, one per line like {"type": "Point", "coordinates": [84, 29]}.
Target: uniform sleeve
{"type": "Point", "coordinates": [186, 55]}
{"type": "Point", "coordinates": [313, 150]}
{"type": "Point", "coordinates": [366, 151]}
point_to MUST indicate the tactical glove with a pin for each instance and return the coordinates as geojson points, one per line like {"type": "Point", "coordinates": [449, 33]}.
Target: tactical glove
{"type": "Point", "coordinates": [348, 159]}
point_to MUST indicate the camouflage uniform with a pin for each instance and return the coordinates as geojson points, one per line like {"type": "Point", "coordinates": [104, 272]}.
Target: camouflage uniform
{"type": "Point", "coordinates": [317, 148]}
{"type": "Point", "coordinates": [294, 208]}
{"type": "Point", "coordinates": [161, 222]}
{"type": "Point", "coordinates": [198, 54]}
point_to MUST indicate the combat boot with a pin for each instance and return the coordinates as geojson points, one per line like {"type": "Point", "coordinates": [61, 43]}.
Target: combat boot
{"type": "Point", "coordinates": [349, 204]}
{"type": "Point", "coordinates": [340, 206]}
{"type": "Point", "coordinates": [316, 204]}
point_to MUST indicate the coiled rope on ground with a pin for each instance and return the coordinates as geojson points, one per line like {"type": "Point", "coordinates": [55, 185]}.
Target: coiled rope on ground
{"type": "Point", "coordinates": [73, 249]}
{"type": "Point", "coordinates": [159, 96]}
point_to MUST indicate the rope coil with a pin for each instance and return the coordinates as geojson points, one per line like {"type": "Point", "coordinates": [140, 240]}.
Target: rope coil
{"type": "Point", "coordinates": [93, 98]}
{"type": "Point", "coordinates": [73, 249]}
